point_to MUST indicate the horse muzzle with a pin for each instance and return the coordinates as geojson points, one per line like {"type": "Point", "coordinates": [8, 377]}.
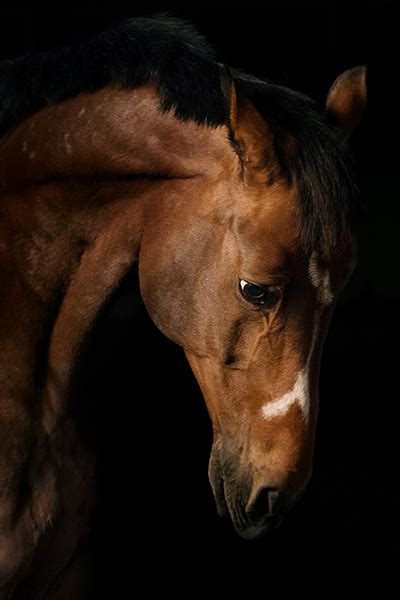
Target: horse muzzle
{"type": "Point", "coordinates": [253, 508]}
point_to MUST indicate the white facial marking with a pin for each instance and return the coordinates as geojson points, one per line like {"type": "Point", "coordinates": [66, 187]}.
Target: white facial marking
{"type": "Point", "coordinates": [300, 392]}
{"type": "Point", "coordinates": [320, 280]}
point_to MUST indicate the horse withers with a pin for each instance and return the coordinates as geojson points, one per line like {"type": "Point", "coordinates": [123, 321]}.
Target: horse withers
{"type": "Point", "coordinates": [234, 197]}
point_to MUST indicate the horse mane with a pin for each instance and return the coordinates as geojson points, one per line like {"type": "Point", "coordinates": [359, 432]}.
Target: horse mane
{"type": "Point", "coordinates": [320, 164]}
{"type": "Point", "coordinates": [171, 53]}
{"type": "Point", "coordinates": [162, 49]}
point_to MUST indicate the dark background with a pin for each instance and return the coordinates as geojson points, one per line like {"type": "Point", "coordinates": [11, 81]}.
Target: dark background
{"type": "Point", "coordinates": [153, 430]}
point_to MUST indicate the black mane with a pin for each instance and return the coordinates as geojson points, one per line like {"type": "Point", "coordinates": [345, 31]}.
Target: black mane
{"type": "Point", "coordinates": [183, 65]}
{"type": "Point", "coordinates": [321, 164]}
{"type": "Point", "coordinates": [163, 49]}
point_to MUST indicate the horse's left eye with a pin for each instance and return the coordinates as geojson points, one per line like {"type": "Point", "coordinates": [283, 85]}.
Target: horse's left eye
{"type": "Point", "coordinates": [262, 295]}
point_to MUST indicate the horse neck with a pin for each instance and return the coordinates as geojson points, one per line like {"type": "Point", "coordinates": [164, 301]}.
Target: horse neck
{"type": "Point", "coordinates": [76, 178]}
{"type": "Point", "coordinates": [109, 133]}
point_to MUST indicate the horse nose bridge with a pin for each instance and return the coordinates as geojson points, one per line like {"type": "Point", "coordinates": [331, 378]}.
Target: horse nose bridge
{"type": "Point", "coordinates": [268, 450]}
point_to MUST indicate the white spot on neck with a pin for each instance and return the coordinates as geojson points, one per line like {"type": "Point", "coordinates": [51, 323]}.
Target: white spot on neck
{"type": "Point", "coordinates": [320, 280]}
{"type": "Point", "coordinates": [68, 146]}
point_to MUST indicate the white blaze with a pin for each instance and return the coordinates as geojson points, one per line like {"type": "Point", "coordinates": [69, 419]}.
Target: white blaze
{"type": "Point", "coordinates": [300, 392]}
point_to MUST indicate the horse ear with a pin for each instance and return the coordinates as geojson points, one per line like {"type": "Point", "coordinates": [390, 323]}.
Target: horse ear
{"type": "Point", "coordinates": [347, 99]}
{"type": "Point", "coordinates": [229, 91]}
{"type": "Point", "coordinates": [249, 132]}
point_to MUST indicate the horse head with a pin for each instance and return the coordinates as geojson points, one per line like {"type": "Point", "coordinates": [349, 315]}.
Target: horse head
{"type": "Point", "coordinates": [243, 272]}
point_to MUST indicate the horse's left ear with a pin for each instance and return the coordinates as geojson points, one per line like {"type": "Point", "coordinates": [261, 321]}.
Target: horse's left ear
{"type": "Point", "coordinates": [249, 132]}
{"type": "Point", "coordinates": [347, 99]}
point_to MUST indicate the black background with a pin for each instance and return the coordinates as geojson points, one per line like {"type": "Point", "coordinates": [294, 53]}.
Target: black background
{"type": "Point", "coordinates": [153, 430]}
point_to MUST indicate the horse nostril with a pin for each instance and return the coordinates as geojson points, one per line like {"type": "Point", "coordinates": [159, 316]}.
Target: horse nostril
{"type": "Point", "coordinates": [264, 504]}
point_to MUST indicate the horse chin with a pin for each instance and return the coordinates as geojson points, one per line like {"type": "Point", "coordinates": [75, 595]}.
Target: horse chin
{"type": "Point", "coordinates": [253, 531]}
{"type": "Point", "coordinates": [247, 528]}
{"type": "Point", "coordinates": [216, 478]}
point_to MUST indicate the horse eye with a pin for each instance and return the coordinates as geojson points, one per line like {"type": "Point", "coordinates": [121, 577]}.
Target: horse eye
{"type": "Point", "coordinates": [261, 295]}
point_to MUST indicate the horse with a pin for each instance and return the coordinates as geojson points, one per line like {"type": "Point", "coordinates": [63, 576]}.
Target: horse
{"type": "Point", "coordinates": [234, 196]}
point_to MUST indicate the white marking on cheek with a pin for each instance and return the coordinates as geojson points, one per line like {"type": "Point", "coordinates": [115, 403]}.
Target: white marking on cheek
{"type": "Point", "coordinates": [320, 280]}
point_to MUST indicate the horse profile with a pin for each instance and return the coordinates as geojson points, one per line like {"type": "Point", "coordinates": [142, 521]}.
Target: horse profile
{"type": "Point", "coordinates": [235, 198]}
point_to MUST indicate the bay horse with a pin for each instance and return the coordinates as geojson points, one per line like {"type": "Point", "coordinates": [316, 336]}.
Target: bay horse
{"type": "Point", "coordinates": [235, 197]}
